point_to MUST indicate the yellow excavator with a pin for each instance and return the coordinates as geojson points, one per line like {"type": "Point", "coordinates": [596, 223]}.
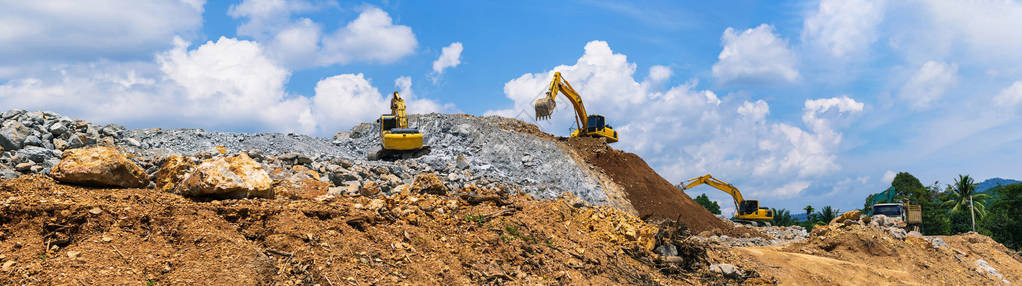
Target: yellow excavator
{"type": "Point", "coordinates": [747, 211]}
{"type": "Point", "coordinates": [396, 139]}
{"type": "Point", "coordinates": [589, 125]}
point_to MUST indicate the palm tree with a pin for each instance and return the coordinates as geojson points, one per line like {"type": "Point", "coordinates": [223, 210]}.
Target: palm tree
{"type": "Point", "coordinates": [782, 217]}
{"type": "Point", "coordinates": [809, 213]}
{"type": "Point", "coordinates": [964, 193]}
{"type": "Point", "coordinates": [828, 214]}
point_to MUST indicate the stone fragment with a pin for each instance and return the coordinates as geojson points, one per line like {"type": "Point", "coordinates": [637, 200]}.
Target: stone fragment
{"type": "Point", "coordinates": [33, 141]}
{"type": "Point", "coordinates": [370, 188]}
{"type": "Point", "coordinates": [24, 167]}
{"type": "Point", "coordinates": [58, 128]}
{"type": "Point", "coordinates": [60, 144]}
{"type": "Point", "coordinates": [227, 177]}
{"type": "Point", "coordinates": [301, 189]}
{"type": "Point", "coordinates": [429, 184]}
{"type": "Point", "coordinates": [99, 166]}
{"type": "Point", "coordinates": [172, 172]}
{"type": "Point", "coordinates": [132, 142]}
{"type": "Point", "coordinates": [666, 250]}
{"type": "Point", "coordinates": [725, 269]}
{"type": "Point", "coordinates": [849, 215]}
{"type": "Point", "coordinates": [35, 154]}
{"type": "Point", "coordinates": [13, 135]}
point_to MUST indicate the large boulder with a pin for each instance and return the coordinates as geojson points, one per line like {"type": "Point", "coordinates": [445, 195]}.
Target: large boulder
{"type": "Point", "coordinates": [849, 215]}
{"type": "Point", "coordinates": [13, 135]}
{"type": "Point", "coordinates": [304, 183]}
{"type": "Point", "coordinates": [171, 172]}
{"type": "Point", "coordinates": [429, 183]}
{"type": "Point", "coordinates": [227, 177]}
{"type": "Point", "coordinates": [36, 154]}
{"type": "Point", "coordinates": [99, 166]}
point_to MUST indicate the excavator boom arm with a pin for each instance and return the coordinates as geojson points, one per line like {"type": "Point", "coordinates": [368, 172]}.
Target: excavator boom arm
{"type": "Point", "coordinates": [718, 184]}
{"type": "Point", "coordinates": [544, 107]}
{"type": "Point", "coordinates": [397, 108]}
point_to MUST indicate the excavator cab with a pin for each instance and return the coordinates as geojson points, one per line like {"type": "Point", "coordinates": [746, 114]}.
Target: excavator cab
{"type": "Point", "coordinates": [388, 122]}
{"type": "Point", "coordinates": [596, 123]}
{"type": "Point", "coordinates": [748, 207]}
{"type": "Point", "coordinates": [596, 126]}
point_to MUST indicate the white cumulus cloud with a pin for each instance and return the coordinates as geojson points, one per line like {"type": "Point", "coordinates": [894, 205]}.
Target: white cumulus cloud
{"type": "Point", "coordinates": [843, 29]}
{"type": "Point", "coordinates": [791, 189]}
{"type": "Point", "coordinates": [372, 37]}
{"type": "Point", "coordinates": [929, 84]}
{"type": "Point", "coordinates": [658, 73]}
{"type": "Point", "coordinates": [755, 55]}
{"type": "Point", "coordinates": [683, 131]}
{"type": "Point", "coordinates": [300, 42]}
{"type": "Point", "coordinates": [228, 84]}
{"type": "Point", "coordinates": [450, 57]}
{"type": "Point", "coordinates": [1010, 97]}
{"type": "Point", "coordinates": [888, 177]}
{"type": "Point", "coordinates": [757, 111]}
{"type": "Point", "coordinates": [81, 31]}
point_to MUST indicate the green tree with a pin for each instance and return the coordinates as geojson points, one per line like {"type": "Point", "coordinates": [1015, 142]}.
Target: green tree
{"type": "Point", "coordinates": [866, 206]}
{"type": "Point", "coordinates": [828, 214]}
{"type": "Point", "coordinates": [782, 217]}
{"type": "Point", "coordinates": [935, 217]}
{"type": "Point", "coordinates": [1004, 219]}
{"type": "Point", "coordinates": [964, 195]}
{"type": "Point", "coordinates": [909, 188]}
{"type": "Point", "coordinates": [809, 212]}
{"type": "Point", "coordinates": [705, 201]}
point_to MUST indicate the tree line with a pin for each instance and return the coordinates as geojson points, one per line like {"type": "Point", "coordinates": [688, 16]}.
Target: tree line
{"type": "Point", "coordinates": [947, 209]}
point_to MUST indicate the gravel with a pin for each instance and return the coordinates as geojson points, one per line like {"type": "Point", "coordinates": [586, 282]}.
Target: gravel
{"type": "Point", "coordinates": [464, 150]}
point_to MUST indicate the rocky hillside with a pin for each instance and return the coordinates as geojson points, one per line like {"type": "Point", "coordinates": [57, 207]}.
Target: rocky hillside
{"type": "Point", "coordinates": [495, 202]}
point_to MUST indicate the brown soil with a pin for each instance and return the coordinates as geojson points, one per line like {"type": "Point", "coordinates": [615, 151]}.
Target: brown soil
{"type": "Point", "coordinates": [653, 197]}
{"type": "Point", "coordinates": [859, 255]}
{"type": "Point", "coordinates": [58, 234]}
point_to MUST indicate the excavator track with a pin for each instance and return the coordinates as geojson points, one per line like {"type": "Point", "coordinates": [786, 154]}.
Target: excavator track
{"type": "Point", "coordinates": [380, 154]}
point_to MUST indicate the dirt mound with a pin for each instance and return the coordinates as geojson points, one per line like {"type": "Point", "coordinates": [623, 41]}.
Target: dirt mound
{"type": "Point", "coordinates": [651, 195]}
{"type": "Point", "coordinates": [859, 255]}
{"type": "Point", "coordinates": [58, 234]}
{"type": "Point", "coordinates": [519, 126]}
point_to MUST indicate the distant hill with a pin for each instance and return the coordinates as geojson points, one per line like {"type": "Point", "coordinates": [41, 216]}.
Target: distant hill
{"type": "Point", "coordinates": [994, 182]}
{"type": "Point", "coordinates": [800, 217]}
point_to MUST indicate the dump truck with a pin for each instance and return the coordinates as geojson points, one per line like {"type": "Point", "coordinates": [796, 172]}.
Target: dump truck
{"type": "Point", "coordinates": [886, 203]}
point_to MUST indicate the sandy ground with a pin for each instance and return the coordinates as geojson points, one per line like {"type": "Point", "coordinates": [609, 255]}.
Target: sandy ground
{"type": "Point", "coordinates": [858, 255]}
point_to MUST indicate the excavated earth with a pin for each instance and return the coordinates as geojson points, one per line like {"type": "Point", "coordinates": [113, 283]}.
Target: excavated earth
{"type": "Point", "coordinates": [515, 206]}
{"type": "Point", "coordinates": [59, 234]}
{"type": "Point", "coordinates": [860, 255]}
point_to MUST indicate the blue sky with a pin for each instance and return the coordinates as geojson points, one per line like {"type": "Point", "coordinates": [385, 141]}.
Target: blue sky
{"type": "Point", "coordinates": [794, 102]}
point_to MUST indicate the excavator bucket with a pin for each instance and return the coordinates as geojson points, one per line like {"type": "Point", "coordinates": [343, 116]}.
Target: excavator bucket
{"type": "Point", "coordinates": [544, 108]}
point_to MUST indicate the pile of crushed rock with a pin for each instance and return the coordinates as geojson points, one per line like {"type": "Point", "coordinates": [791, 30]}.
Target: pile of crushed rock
{"type": "Point", "coordinates": [773, 235]}
{"type": "Point", "coordinates": [465, 151]}
{"type": "Point", "coordinates": [33, 142]}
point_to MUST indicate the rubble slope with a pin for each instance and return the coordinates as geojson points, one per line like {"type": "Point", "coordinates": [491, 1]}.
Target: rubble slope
{"type": "Point", "coordinates": [59, 234]}
{"type": "Point", "coordinates": [856, 254]}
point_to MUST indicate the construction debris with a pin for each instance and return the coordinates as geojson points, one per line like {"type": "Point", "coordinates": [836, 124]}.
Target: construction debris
{"type": "Point", "coordinates": [495, 202]}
